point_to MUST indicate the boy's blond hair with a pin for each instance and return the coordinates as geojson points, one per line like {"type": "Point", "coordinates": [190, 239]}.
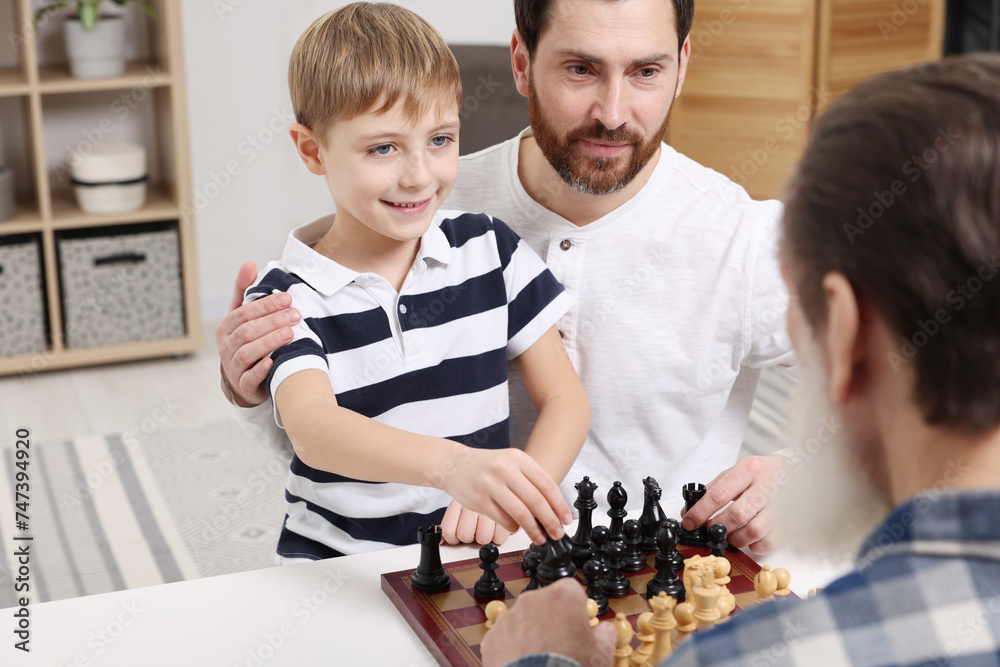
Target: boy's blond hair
{"type": "Point", "coordinates": [365, 57]}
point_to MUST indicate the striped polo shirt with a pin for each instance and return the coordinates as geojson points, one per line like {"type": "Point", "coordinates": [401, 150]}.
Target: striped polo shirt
{"type": "Point", "coordinates": [431, 359]}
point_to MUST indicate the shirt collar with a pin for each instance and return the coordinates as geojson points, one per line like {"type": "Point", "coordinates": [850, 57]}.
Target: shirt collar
{"type": "Point", "coordinates": [939, 522]}
{"type": "Point", "coordinates": [327, 276]}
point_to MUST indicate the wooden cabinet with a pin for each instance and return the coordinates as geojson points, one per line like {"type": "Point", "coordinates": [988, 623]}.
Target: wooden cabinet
{"type": "Point", "coordinates": [762, 69]}
{"type": "Point", "coordinates": [45, 111]}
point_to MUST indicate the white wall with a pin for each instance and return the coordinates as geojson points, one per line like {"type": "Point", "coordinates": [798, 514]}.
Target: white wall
{"type": "Point", "coordinates": [250, 188]}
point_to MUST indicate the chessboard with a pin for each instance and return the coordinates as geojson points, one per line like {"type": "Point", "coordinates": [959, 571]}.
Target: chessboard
{"type": "Point", "coordinates": [452, 623]}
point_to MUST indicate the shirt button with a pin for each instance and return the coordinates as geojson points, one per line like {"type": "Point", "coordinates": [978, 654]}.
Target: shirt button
{"type": "Point", "coordinates": [402, 308]}
{"type": "Point", "coordinates": [566, 244]}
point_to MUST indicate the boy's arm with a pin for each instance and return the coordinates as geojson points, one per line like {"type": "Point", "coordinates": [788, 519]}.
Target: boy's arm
{"type": "Point", "coordinates": [556, 439]}
{"type": "Point", "coordinates": [506, 485]}
{"type": "Point", "coordinates": [559, 397]}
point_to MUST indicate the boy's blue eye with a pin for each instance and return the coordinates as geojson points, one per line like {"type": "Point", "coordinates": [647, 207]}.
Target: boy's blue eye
{"type": "Point", "coordinates": [438, 142]}
{"type": "Point", "coordinates": [384, 149]}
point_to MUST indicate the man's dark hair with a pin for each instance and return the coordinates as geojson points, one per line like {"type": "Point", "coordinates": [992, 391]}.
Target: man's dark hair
{"type": "Point", "coordinates": [899, 190]}
{"type": "Point", "coordinates": [533, 18]}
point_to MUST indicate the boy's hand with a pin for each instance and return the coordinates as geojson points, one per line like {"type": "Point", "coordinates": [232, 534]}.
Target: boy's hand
{"type": "Point", "coordinates": [247, 335]}
{"type": "Point", "coordinates": [463, 526]}
{"type": "Point", "coordinates": [511, 487]}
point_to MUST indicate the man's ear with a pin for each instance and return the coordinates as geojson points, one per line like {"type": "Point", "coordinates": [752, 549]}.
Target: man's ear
{"type": "Point", "coordinates": [520, 62]}
{"type": "Point", "coordinates": [843, 340]}
{"type": "Point", "coordinates": [308, 148]}
{"type": "Point", "coordinates": [684, 57]}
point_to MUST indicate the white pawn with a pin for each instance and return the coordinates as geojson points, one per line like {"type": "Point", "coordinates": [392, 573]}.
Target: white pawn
{"type": "Point", "coordinates": [493, 610]}
{"type": "Point", "coordinates": [646, 636]}
{"type": "Point", "coordinates": [623, 649]}
{"type": "Point", "coordinates": [592, 610]}
{"type": "Point", "coordinates": [765, 583]}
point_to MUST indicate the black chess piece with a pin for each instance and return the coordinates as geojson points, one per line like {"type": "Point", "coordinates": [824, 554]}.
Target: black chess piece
{"type": "Point", "coordinates": [593, 572]}
{"type": "Point", "coordinates": [616, 585]}
{"type": "Point", "coordinates": [599, 538]}
{"type": "Point", "coordinates": [634, 559]}
{"type": "Point", "coordinates": [585, 503]}
{"type": "Point", "coordinates": [430, 575]}
{"type": "Point", "coordinates": [531, 559]}
{"type": "Point", "coordinates": [617, 499]}
{"type": "Point", "coordinates": [666, 579]}
{"type": "Point", "coordinates": [652, 514]}
{"type": "Point", "coordinates": [675, 556]}
{"type": "Point", "coordinates": [489, 586]}
{"type": "Point", "coordinates": [717, 539]}
{"type": "Point", "coordinates": [557, 563]}
{"type": "Point", "coordinates": [536, 548]}
{"type": "Point", "coordinates": [698, 537]}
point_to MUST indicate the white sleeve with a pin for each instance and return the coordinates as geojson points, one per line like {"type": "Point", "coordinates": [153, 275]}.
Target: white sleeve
{"type": "Point", "coordinates": [259, 424]}
{"type": "Point", "coordinates": [767, 341]}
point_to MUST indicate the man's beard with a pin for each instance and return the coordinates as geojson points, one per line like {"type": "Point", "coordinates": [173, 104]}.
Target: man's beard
{"type": "Point", "coordinates": [832, 500]}
{"type": "Point", "coordinates": [585, 173]}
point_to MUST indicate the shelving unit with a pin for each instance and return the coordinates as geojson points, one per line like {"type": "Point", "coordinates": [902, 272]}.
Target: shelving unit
{"type": "Point", "coordinates": [156, 85]}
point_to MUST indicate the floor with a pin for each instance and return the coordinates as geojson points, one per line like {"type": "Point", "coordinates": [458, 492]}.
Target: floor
{"type": "Point", "coordinates": [115, 398]}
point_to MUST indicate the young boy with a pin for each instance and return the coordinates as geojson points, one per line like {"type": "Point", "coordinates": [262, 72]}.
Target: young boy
{"type": "Point", "coordinates": [393, 391]}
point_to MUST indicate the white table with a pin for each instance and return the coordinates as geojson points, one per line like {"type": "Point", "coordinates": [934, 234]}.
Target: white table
{"type": "Point", "coordinates": [322, 613]}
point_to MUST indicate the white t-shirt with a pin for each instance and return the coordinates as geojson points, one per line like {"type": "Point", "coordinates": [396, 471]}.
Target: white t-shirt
{"type": "Point", "coordinates": [679, 304]}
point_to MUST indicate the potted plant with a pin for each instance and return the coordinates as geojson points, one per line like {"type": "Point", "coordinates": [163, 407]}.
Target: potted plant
{"type": "Point", "coordinates": [95, 42]}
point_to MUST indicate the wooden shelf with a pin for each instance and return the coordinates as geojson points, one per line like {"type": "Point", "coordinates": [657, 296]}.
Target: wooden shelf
{"type": "Point", "coordinates": [13, 82]}
{"type": "Point", "coordinates": [67, 215]}
{"type": "Point", "coordinates": [27, 218]}
{"type": "Point", "coordinates": [56, 79]}
{"type": "Point", "coordinates": [52, 359]}
{"type": "Point", "coordinates": [49, 212]}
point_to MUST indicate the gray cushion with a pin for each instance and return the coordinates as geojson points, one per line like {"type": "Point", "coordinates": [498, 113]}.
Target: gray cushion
{"type": "Point", "coordinates": [492, 109]}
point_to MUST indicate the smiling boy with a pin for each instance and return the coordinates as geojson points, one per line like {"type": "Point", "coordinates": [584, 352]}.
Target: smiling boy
{"type": "Point", "coordinates": [397, 375]}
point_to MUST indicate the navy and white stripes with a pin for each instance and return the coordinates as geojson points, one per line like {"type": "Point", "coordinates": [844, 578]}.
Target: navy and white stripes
{"type": "Point", "coordinates": [431, 360]}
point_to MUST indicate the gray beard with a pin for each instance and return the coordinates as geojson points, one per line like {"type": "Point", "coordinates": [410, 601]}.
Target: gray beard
{"type": "Point", "coordinates": [829, 505]}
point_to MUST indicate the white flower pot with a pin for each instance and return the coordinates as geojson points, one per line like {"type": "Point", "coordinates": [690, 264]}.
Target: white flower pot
{"type": "Point", "coordinates": [7, 206]}
{"type": "Point", "coordinates": [96, 54]}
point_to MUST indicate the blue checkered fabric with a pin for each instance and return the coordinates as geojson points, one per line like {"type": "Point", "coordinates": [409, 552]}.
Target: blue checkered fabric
{"type": "Point", "coordinates": [926, 592]}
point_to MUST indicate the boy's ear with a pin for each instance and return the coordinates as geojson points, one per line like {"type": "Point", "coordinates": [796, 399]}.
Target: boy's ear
{"type": "Point", "coordinates": [308, 148]}
{"type": "Point", "coordinates": [520, 63]}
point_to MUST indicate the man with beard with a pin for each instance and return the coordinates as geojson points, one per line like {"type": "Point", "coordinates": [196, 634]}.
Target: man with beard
{"type": "Point", "coordinates": [679, 300]}
{"type": "Point", "coordinates": [897, 328]}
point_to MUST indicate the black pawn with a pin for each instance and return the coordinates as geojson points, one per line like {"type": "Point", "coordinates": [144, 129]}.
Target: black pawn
{"type": "Point", "coordinates": [616, 585]}
{"type": "Point", "coordinates": [698, 537]}
{"type": "Point", "coordinates": [634, 560]}
{"type": "Point", "coordinates": [652, 513]}
{"type": "Point", "coordinates": [557, 562]}
{"type": "Point", "coordinates": [531, 561]}
{"type": "Point", "coordinates": [489, 586]}
{"type": "Point", "coordinates": [430, 575]}
{"type": "Point", "coordinates": [717, 539]}
{"type": "Point", "coordinates": [534, 548]}
{"type": "Point", "coordinates": [674, 555]}
{"type": "Point", "coordinates": [599, 542]}
{"type": "Point", "coordinates": [593, 572]}
{"type": "Point", "coordinates": [666, 579]}
{"type": "Point", "coordinates": [617, 499]}
{"type": "Point", "coordinates": [585, 503]}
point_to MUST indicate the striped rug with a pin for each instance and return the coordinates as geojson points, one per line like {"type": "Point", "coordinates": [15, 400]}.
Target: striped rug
{"type": "Point", "coordinates": [116, 512]}
{"type": "Point", "coordinates": [125, 511]}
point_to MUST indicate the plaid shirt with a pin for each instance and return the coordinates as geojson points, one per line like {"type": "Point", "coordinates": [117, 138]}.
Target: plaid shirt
{"type": "Point", "coordinates": [926, 592]}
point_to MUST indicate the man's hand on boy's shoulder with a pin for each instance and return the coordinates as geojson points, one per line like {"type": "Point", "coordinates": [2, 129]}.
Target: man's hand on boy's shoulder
{"type": "Point", "coordinates": [246, 335]}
